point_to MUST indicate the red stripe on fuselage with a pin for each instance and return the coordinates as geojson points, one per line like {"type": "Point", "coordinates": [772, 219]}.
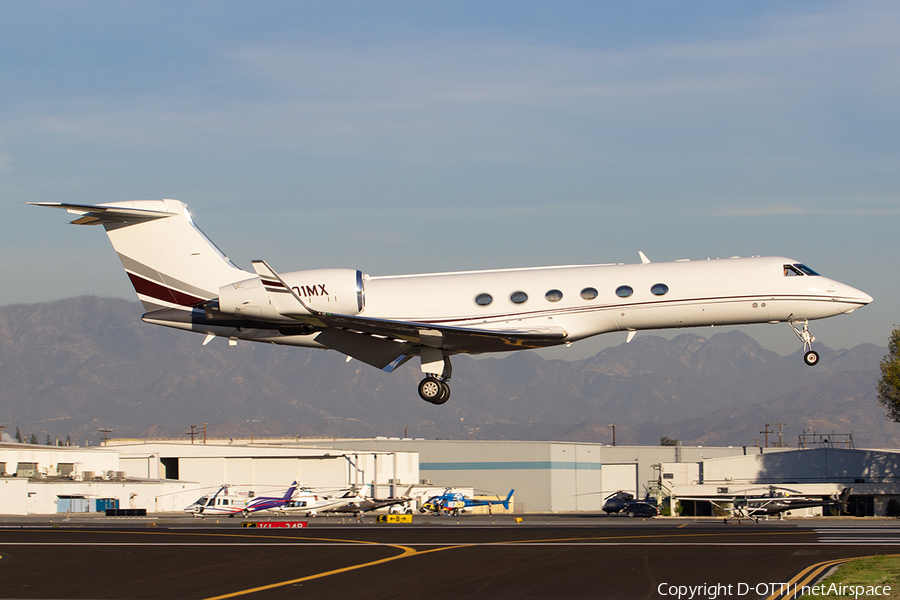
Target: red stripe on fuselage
{"type": "Point", "coordinates": [152, 289]}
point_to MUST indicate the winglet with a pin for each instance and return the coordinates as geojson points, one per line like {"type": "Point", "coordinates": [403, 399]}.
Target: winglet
{"type": "Point", "coordinates": [644, 259]}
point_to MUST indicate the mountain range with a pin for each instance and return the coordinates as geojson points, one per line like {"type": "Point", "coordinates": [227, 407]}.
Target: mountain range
{"type": "Point", "coordinates": [75, 366]}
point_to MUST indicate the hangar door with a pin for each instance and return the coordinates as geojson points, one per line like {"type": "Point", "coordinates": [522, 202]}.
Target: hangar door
{"type": "Point", "coordinates": [619, 477]}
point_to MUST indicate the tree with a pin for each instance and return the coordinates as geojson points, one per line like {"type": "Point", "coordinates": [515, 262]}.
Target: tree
{"type": "Point", "coordinates": [667, 441]}
{"type": "Point", "coordinates": [18, 435]}
{"type": "Point", "coordinates": [33, 439]}
{"type": "Point", "coordinates": [889, 386]}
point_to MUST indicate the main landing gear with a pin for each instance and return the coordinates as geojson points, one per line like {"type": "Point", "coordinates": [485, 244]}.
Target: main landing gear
{"type": "Point", "coordinates": [434, 390]}
{"type": "Point", "coordinates": [810, 356]}
{"type": "Point", "coordinates": [437, 368]}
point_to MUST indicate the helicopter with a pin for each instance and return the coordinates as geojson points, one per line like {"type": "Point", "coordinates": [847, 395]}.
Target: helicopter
{"type": "Point", "coordinates": [455, 503]}
{"type": "Point", "coordinates": [776, 501]}
{"type": "Point", "coordinates": [615, 502]}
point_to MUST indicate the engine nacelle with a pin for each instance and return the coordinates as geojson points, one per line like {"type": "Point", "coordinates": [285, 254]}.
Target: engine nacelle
{"type": "Point", "coordinates": [339, 291]}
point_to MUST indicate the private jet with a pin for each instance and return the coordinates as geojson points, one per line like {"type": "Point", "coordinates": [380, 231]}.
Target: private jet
{"type": "Point", "coordinates": [184, 281]}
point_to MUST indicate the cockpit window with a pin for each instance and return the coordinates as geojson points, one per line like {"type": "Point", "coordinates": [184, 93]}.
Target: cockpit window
{"type": "Point", "coordinates": [805, 270]}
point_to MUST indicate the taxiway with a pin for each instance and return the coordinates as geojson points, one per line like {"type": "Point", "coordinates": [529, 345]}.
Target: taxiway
{"type": "Point", "coordinates": [542, 556]}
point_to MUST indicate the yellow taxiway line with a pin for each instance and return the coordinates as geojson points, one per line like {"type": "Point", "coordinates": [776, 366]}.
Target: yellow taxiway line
{"type": "Point", "coordinates": [810, 574]}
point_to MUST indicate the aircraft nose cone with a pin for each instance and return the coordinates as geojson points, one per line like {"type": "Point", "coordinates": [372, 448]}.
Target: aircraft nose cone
{"type": "Point", "coordinates": [860, 296]}
{"type": "Point", "coordinates": [855, 296]}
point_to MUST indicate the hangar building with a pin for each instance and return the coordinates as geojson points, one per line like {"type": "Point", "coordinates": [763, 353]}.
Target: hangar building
{"type": "Point", "coordinates": [162, 476]}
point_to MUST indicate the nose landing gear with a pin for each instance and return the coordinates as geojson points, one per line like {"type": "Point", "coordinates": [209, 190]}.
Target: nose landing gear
{"type": "Point", "coordinates": [810, 356]}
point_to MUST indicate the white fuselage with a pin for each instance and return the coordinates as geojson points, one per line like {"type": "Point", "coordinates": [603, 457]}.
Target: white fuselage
{"type": "Point", "coordinates": [583, 300]}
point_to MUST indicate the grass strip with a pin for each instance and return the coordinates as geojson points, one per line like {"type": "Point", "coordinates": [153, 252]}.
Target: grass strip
{"type": "Point", "coordinates": [864, 578]}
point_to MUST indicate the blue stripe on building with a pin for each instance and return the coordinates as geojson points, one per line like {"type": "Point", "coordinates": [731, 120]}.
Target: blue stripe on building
{"type": "Point", "coordinates": [535, 465]}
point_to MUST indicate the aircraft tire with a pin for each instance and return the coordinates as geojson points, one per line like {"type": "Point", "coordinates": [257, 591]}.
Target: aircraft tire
{"type": "Point", "coordinates": [433, 390]}
{"type": "Point", "coordinates": [811, 358]}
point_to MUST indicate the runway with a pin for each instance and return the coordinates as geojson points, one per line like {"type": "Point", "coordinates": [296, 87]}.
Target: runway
{"type": "Point", "coordinates": [468, 557]}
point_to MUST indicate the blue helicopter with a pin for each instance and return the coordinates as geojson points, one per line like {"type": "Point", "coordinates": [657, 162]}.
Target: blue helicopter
{"type": "Point", "coordinates": [454, 503]}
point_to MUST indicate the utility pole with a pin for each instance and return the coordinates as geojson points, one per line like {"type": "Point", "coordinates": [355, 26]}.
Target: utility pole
{"type": "Point", "coordinates": [767, 432]}
{"type": "Point", "coordinates": [2, 427]}
{"type": "Point", "coordinates": [192, 433]}
{"type": "Point", "coordinates": [204, 434]}
{"type": "Point", "coordinates": [613, 425]}
{"type": "Point", "coordinates": [780, 434]}
{"type": "Point", "coordinates": [105, 433]}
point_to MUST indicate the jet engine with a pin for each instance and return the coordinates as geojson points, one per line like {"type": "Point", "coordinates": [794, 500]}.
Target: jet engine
{"type": "Point", "coordinates": [339, 291]}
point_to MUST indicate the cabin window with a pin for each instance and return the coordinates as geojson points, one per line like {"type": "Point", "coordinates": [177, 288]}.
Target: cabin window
{"type": "Point", "coordinates": [553, 296]}
{"type": "Point", "coordinates": [483, 299]}
{"type": "Point", "coordinates": [589, 293]}
{"type": "Point", "coordinates": [659, 289]}
{"type": "Point", "coordinates": [624, 291]}
{"type": "Point", "coordinates": [518, 297]}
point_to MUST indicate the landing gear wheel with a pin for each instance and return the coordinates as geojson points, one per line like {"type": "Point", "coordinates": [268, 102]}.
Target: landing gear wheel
{"type": "Point", "coordinates": [811, 358]}
{"type": "Point", "coordinates": [433, 390]}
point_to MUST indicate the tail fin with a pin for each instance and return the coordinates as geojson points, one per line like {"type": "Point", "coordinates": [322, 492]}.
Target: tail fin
{"type": "Point", "coordinates": [290, 493]}
{"type": "Point", "coordinates": [845, 495]}
{"type": "Point", "coordinates": [505, 503]}
{"type": "Point", "coordinates": [170, 262]}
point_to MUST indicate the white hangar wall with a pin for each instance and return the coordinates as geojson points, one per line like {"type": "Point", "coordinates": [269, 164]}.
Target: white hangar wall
{"type": "Point", "coordinates": [833, 465]}
{"type": "Point", "coordinates": [270, 466]}
{"type": "Point", "coordinates": [56, 460]}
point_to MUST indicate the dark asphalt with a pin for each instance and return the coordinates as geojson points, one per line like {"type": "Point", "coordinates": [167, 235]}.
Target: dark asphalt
{"type": "Point", "coordinates": [433, 558]}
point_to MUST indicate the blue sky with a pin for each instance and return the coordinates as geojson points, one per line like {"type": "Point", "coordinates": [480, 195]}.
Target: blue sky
{"type": "Point", "coordinates": [400, 137]}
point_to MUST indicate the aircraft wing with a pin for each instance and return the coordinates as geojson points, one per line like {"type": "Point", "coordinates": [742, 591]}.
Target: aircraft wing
{"type": "Point", "coordinates": [450, 338]}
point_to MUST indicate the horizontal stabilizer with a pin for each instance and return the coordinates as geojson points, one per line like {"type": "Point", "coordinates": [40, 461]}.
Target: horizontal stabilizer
{"type": "Point", "coordinates": [96, 214]}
